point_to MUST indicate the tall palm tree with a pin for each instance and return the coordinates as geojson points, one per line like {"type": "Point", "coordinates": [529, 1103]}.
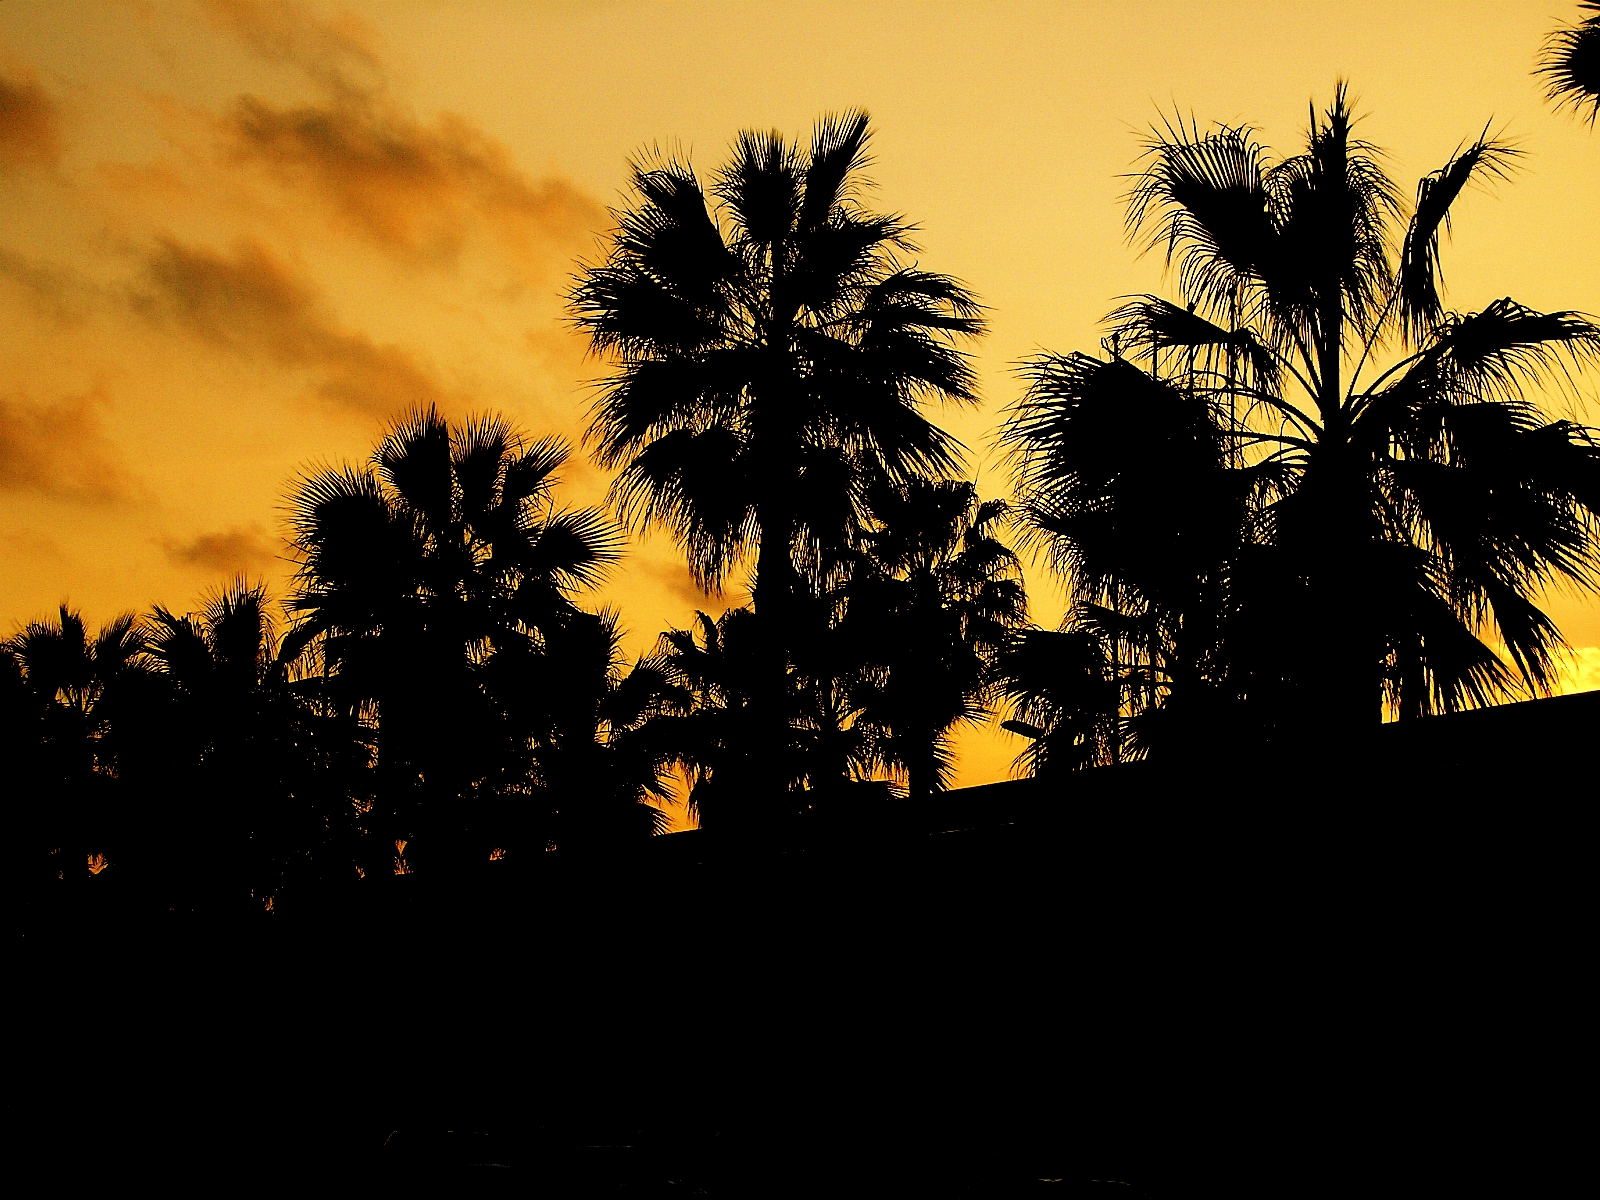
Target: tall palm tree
{"type": "Point", "coordinates": [774, 353]}
{"type": "Point", "coordinates": [1570, 64]}
{"type": "Point", "coordinates": [431, 583]}
{"type": "Point", "coordinates": [931, 602]}
{"type": "Point", "coordinates": [1357, 486]}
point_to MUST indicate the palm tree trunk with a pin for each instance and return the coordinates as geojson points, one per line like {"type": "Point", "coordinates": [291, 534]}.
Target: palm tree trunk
{"type": "Point", "coordinates": [922, 772]}
{"type": "Point", "coordinates": [773, 598]}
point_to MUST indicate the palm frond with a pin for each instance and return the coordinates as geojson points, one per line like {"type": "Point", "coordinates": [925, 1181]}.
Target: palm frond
{"type": "Point", "coordinates": [1204, 198]}
{"type": "Point", "coordinates": [414, 459]}
{"type": "Point", "coordinates": [1419, 277]}
{"type": "Point", "coordinates": [834, 165]}
{"type": "Point", "coordinates": [1151, 321]}
{"type": "Point", "coordinates": [1570, 64]}
{"type": "Point", "coordinates": [1495, 353]}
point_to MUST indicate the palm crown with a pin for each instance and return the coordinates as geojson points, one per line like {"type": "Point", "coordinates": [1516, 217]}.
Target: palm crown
{"type": "Point", "coordinates": [431, 584]}
{"type": "Point", "coordinates": [1385, 520]}
{"type": "Point", "coordinates": [932, 599]}
{"type": "Point", "coordinates": [774, 350]}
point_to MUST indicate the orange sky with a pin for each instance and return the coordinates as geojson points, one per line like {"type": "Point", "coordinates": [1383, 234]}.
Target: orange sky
{"type": "Point", "coordinates": [241, 234]}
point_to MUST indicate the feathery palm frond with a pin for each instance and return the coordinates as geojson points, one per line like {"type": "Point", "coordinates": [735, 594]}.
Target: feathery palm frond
{"type": "Point", "coordinates": [1570, 64]}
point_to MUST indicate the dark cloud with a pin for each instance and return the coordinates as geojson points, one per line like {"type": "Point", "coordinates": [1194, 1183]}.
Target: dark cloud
{"type": "Point", "coordinates": [29, 126]}
{"type": "Point", "coordinates": [51, 290]}
{"type": "Point", "coordinates": [240, 550]}
{"type": "Point", "coordinates": [58, 451]}
{"type": "Point", "coordinates": [251, 304]}
{"type": "Point", "coordinates": [413, 188]}
{"type": "Point", "coordinates": [340, 53]}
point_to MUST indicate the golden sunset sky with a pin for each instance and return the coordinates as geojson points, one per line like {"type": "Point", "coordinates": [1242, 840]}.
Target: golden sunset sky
{"type": "Point", "coordinates": [241, 235]}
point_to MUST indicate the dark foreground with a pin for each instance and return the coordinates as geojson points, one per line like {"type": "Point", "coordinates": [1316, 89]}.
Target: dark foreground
{"type": "Point", "coordinates": [1342, 978]}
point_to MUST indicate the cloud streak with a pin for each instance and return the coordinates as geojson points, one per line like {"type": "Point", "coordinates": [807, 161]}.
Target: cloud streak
{"type": "Point", "coordinates": [51, 290]}
{"type": "Point", "coordinates": [59, 452]}
{"type": "Point", "coordinates": [251, 304]}
{"type": "Point", "coordinates": [409, 188]}
{"type": "Point", "coordinates": [340, 54]}
{"type": "Point", "coordinates": [415, 189]}
{"type": "Point", "coordinates": [30, 132]}
{"type": "Point", "coordinates": [239, 550]}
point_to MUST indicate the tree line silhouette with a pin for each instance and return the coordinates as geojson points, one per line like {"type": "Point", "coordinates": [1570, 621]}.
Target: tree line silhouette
{"type": "Point", "coordinates": [1301, 496]}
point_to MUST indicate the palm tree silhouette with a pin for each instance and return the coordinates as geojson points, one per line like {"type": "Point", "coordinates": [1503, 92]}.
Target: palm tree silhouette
{"type": "Point", "coordinates": [1065, 699]}
{"type": "Point", "coordinates": [81, 696]}
{"type": "Point", "coordinates": [931, 601]}
{"type": "Point", "coordinates": [432, 585]}
{"type": "Point", "coordinates": [774, 353]}
{"type": "Point", "coordinates": [1350, 534]}
{"type": "Point", "coordinates": [712, 719]}
{"type": "Point", "coordinates": [596, 766]}
{"type": "Point", "coordinates": [247, 792]}
{"type": "Point", "coordinates": [1570, 64]}
{"type": "Point", "coordinates": [706, 720]}
{"type": "Point", "coordinates": [1130, 486]}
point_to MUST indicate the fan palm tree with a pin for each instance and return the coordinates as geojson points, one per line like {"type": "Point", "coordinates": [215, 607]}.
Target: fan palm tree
{"type": "Point", "coordinates": [1065, 700]}
{"type": "Point", "coordinates": [432, 582]}
{"type": "Point", "coordinates": [708, 723]}
{"type": "Point", "coordinates": [596, 769]}
{"type": "Point", "coordinates": [1570, 64]}
{"type": "Point", "coordinates": [252, 785]}
{"type": "Point", "coordinates": [1130, 486]}
{"type": "Point", "coordinates": [1356, 488]}
{"type": "Point", "coordinates": [931, 601]}
{"type": "Point", "coordinates": [82, 695]}
{"type": "Point", "coordinates": [774, 354]}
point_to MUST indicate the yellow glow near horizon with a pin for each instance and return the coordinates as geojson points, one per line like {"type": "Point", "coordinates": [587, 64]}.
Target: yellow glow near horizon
{"type": "Point", "coordinates": [242, 234]}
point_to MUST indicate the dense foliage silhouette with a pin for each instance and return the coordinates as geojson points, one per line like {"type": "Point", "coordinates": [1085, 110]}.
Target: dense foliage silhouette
{"type": "Point", "coordinates": [1239, 475]}
{"type": "Point", "coordinates": [436, 596]}
{"type": "Point", "coordinates": [932, 598]}
{"type": "Point", "coordinates": [1261, 539]}
{"type": "Point", "coordinates": [774, 353]}
{"type": "Point", "coordinates": [1301, 496]}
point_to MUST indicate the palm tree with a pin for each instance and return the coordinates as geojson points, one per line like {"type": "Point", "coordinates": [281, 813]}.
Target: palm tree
{"type": "Point", "coordinates": [931, 601]}
{"type": "Point", "coordinates": [432, 584]}
{"type": "Point", "coordinates": [1065, 700]}
{"type": "Point", "coordinates": [1570, 64]}
{"type": "Point", "coordinates": [255, 783]}
{"type": "Point", "coordinates": [82, 696]}
{"type": "Point", "coordinates": [707, 721]}
{"type": "Point", "coordinates": [1132, 490]}
{"type": "Point", "coordinates": [596, 767]}
{"type": "Point", "coordinates": [1349, 533]}
{"type": "Point", "coordinates": [774, 354]}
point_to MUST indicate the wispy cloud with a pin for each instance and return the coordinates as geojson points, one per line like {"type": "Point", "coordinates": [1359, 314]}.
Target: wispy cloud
{"type": "Point", "coordinates": [243, 549]}
{"type": "Point", "coordinates": [51, 290]}
{"type": "Point", "coordinates": [58, 451]}
{"type": "Point", "coordinates": [410, 188]}
{"type": "Point", "coordinates": [29, 124]}
{"type": "Point", "coordinates": [415, 189]}
{"type": "Point", "coordinates": [672, 577]}
{"type": "Point", "coordinates": [340, 53]}
{"type": "Point", "coordinates": [251, 304]}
